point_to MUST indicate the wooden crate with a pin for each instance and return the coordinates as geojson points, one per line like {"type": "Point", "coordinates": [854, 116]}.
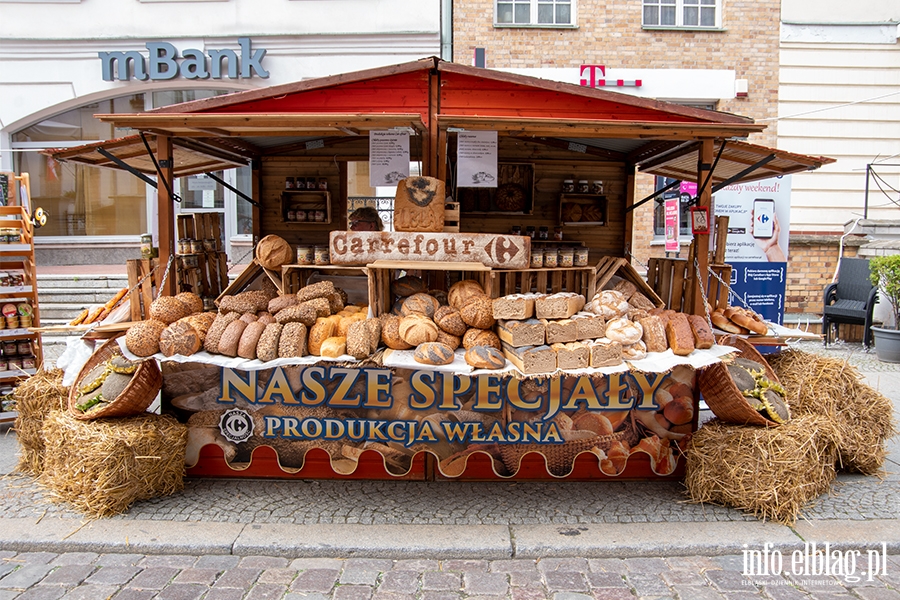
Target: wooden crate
{"type": "Point", "coordinates": [353, 280]}
{"type": "Point", "coordinates": [579, 280]}
{"type": "Point", "coordinates": [451, 217]}
{"type": "Point", "coordinates": [673, 279]}
{"type": "Point", "coordinates": [437, 275]}
{"type": "Point", "coordinates": [251, 278]}
{"type": "Point", "coordinates": [610, 266]}
{"type": "Point", "coordinates": [140, 297]}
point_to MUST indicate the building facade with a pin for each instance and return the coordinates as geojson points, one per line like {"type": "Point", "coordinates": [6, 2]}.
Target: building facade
{"type": "Point", "coordinates": [62, 61]}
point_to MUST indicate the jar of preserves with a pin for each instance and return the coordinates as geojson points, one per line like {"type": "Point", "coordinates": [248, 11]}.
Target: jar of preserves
{"type": "Point", "coordinates": [583, 186]}
{"type": "Point", "coordinates": [289, 183]}
{"type": "Point", "coordinates": [321, 255]}
{"type": "Point", "coordinates": [291, 215]}
{"type": "Point", "coordinates": [551, 256]}
{"type": "Point", "coordinates": [558, 234]}
{"type": "Point", "coordinates": [323, 184]}
{"type": "Point", "coordinates": [529, 231]}
{"type": "Point", "coordinates": [568, 186]}
{"type": "Point", "coordinates": [597, 187]}
{"type": "Point", "coordinates": [537, 258]}
{"type": "Point", "coordinates": [305, 255]}
{"type": "Point", "coordinates": [566, 257]}
{"type": "Point", "coordinates": [544, 233]}
{"type": "Point", "coordinates": [10, 348]}
{"type": "Point", "coordinates": [23, 347]}
{"type": "Point", "coordinates": [581, 256]}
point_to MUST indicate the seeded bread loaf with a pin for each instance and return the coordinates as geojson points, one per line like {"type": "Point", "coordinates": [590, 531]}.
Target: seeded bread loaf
{"type": "Point", "coordinates": [478, 312]}
{"type": "Point", "coordinates": [301, 313]}
{"type": "Point", "coordinates": [448, 319]}
{"type": "Point", "coordinates": [281, 302]}
{"type": "Point", "coordinates": [358, 344]}
{"type": "Point", "coordinates": [168, 309]}
{"type": "Point", "coordinates": [214, 335]}
{"type": "Point", "coordinates": [322, 289]}
{"type": "Point", "coordinates": [374, 326]}
{"type": "Point", "coordinates": [480, 337]}
{"type": "Point", "coordinates": [192, 301]}
{"type": "Point", "coordinates": [251, 301]}
{"type": "Point", "coordinates": [407, 286]}
{"type": "Point", "coordinates": [142, 338]}
{"type": "Point", "coordinates": [267, 346]}
{"type": "Point", "coordinates": [179, 338]}
{"type": "Point", "coordinates": [293, 341]}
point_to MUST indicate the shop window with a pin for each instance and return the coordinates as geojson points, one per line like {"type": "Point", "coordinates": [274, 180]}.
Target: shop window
{"type": "Point", "coordinates": [682, 13]}
{"type": "Point", "coordinates": [534, 13]}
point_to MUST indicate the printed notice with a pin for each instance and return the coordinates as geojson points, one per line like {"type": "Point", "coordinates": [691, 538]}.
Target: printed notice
{"type": "Point", "coordinates": [672, 225]}
{"type": "Point", "coordinates": [388, 157]}
{"type": "Point", "coordinates": [477, 159]}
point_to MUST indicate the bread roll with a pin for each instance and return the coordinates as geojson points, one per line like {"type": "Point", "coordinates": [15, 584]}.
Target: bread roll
{"type": "Point", "coordinates": [407, 286]}
{"type": "Point", "coordinates": [322, 289]}
{"type": "Point", "coordinates": [462, 291]}
{"type": "Point", "coordinates": [358, 344]}
{"type": "Point", "coordinates": [610, 304]}
{"type": "Point", "coordinates": [485, 357]}
{"type": "Point", "coordinates": [251, 301]}
{"type": "Point", "coordinates": [282, 302]}
{"type": "Point", "coordinates": [265, 318]}
{"type": "Point", "coordinates": [250, 339]}
{"type": "Point", "coordinates": [624, 331]}
{"type": "Point", "coordinates": [703, 337]}
{"type": "Point", "coordinates": [390, 333]}
{"type": "Point", "coordinates": [417, 329]}
{"type": "Point", "coordinates": [231, 337]}
{"type": "Point", "coordinates": [419, 303]}
{"type": "Point", "coordinates": [322, 330]}
{"type": "Point", "coordinates": [635, 351]}
{"type": "Point", "coordinates": [481, 337]}
{"type": "Point", "coordinates": [267, 346]}
{"type": "Point", "coordinates": [747, 319]}
{"type": "Point", "coordinates": [334, 347]}
{"type": "Point", "coordinates": [292, 341]}
{"type": "Point", "coordinates": [448, 319]}
{"type": "Point", "coordinates": [478, 312]}
{"type": "Point", "coordinates": [433, 353]}
{"type": "Point", "coordinates": [722, 322]}
{"type": "Point", "coordinates": [142, 338]}
{"type": "Point", "coordinates": [179, 338]}
{"type": "Point", "coordinates": [192, 301]}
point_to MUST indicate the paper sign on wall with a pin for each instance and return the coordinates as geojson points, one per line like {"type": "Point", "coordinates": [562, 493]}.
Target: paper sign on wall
{"type": "Point", "coordinates": [388, 157]}
{"type": "Point", "coordinates": [477, 159]}
{"type": "Point", "coordinates": [672, 224]}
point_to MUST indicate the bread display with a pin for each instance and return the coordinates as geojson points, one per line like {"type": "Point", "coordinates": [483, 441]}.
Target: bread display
{"type": "Point", "coordinates": [336, 301]}
{"type": "Point", "coordinates": [334, 347]}
{"type": "Point", "coordinates": [747, 319]}
{"type": "Point", "coordinates": [573, 355]}
{"type": "Point", "coordinates": [654, 334]}
{"type": "Point", "coordinates": [558, 306]}
{"type": "Point", "coordinates": [419, 303]}
{"type": "Point", "coordinates": [531, 359]}
{"type": "Point", "coordinates": [407, 286]}
{"type": "Point", "coordinates": [168, 309]}
{"type": "Point", "coordinates": [624, 331]}
{"type": "Point", "coordinates": [192, 301]}
{"type": "Point", "coordinates": [267, 346]}
{"type": "Point", "coordinates": [589, 326]}
{"type": "Point", "coordinates": [626, 288]}
{"type": "Point", "coordinates": [321, 289]}
{"type": "Point", "coordinates": [322, 330]}
{"type": "Point", "coordinates": [605, 353]}
{"type": "Point", "coordinates": [417, 329]}
{"type": "Point", "coordinates": [390, 333]}
{"type": "Point", "coordinates": [251, 301]}
{"type": "Point", "coordinates": [293, 341]}
{"type": "Point", "coordinates": [679, 335]}
{"type": "Point", "coordinates": [478, 312]}
{"type": "Point", "coordinates": [522, 333]}
{"type": "Point", "coordinates": [433, 353]}
{"type": "Point", "coordinates": [231, 337]}
{"type": "Point", "coordinates": [561, 331]}
{"type": "Point", "coordinates": [448, 319]}
{"type": "Point", "coordinates": [142, 338]}
{"type": "Point", "coordinates": [703, 337]}
{"type": "Point", "coordinates": [515, 306]}
{"type": "Point", "coordinates": [304, 313]}
{"type": "Point", "coordinates": [480, 337]}
{"type": "Point", "coordinates": [249, 318]}
{"type": "Point", "coordinates": [634, 351]}
{"type": "Point", "coordinates": [374, 327]}
{"type": "Point", "coordinates": [250, 339]}
{"type": "Point", "coordinates": [640, 301]}
{"type": "Point", "coordinates": [448, 339]}
{"type": "Point", "coordinates": [273, 251]}
{"type": "Point", "coordinates": [214, 335]}
{"type": "Point", "coordinates": [485, 357]}
{"type": "Point", "coordinates": [463, 291]}
{"type": "Point", "coordinates": [609, 304]}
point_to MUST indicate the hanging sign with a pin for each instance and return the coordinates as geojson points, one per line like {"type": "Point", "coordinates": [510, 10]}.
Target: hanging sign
{"type": "Point", "coordinates": [477, 159]}
{"type": "Point", "coordinates": [388, 157]}
{"type": "Point", "coordinates": [672, 224]}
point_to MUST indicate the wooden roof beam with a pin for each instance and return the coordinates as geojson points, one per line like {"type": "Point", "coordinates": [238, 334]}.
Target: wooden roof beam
{"type": "Point", "coordinates": [564, 145]}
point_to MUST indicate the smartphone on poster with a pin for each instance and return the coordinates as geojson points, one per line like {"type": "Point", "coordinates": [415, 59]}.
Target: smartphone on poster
{"type": "Point", "coordinates": [763, 218]}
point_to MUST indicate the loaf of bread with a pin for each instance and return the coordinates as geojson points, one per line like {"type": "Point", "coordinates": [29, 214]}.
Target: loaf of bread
{"type": "Point", "coordinates": [321, 289]}
{"type": "Point", "coordinates": [336, 301]}
{"type": "Point", "coordinates": [624, 331]}
{"type": "Point", "coordinates": [299, 313]}
{"type": "Point", "coordinates": [273, 251]}
{"type": "Point", "coordinates": [609, 304]}
{"type": "Point", "coordinates": [281, 302]}
{"type": "Point", "coordinates": [634, 351]}
{"type": "Point", "coordinates": [249, 318]}
{"type": "Point", "coordinates": [334, 347]}
{"type": "Point", "coordinates": [448, 319]}
{"type": "Point", "coordinates": [561, 331]}
{"type": "Point", "coordinates": [250, 339]}
{"type": "Point", "coordinates": [433, 353]}
{"type": "Point", "coordinates": [231, 337]}
{"type": "Point", "coordinates": [417, 329]}
{"type": "Point", "coordinates": [515, 306]}
{"type": "Point", "coordinates": [419, 303]}
{"type": "Point", "coordinates": [558, 306]}
{"type": "Point", "coordinates": [322, 306]}
{"type": "Point", "coordinates": [573, 355]}
{"type": "Point", "coordinates": [747, 319]}
{"type": "Point", "coordinates": [589, 326]}
{"type": "Point", "coordinates": [626, 288]}
{"type": "Point", "coordinates": [374, 327]}
{"type": "Point", "coordinates": [703, 337]}
{"type": "Point", "coordinates": [679, 335]}
{"type": "Point", "coordinates": [640, 301]}
{"type": "Point", "coordinates": [168, 309]}
{"type": "Point", "coordinates": [720, 321]}
{"type": "Point", "coordinates": [251, 301]}
{"type": "Point", "coordinates": [485, 357]}
{"type": "Point", "coordinates": [407, 286]}
{"type": "Point", "coordinates": [192, 301]}
{"type": "Point", "coordinates": [214, 335]}
{"type": "Point", "coordinates": [323, 329]}
{"type": "Point", "coordinates": [522, 333]}
{"type": "Point", "coordinates": [358, 344]}
{"type": "Point", "coordinates": [267, 346]}
{"type": "Point", "coordinates": [605, 353]}
{"type": "Point", "coordinates": [531, 359]}
{"type": "Point", "coordinates": [478, 312]}
{"type": "Point", "coordinates": [654, 336]}
{"type": "Point", "coordinates": [448, 339]}
{"type": "Point", "coordinates": [292, 341]}
{"type": "Point", "coordinates": [480, 337]}
{"type": "Point", "coordinates": [142, 338]}
{"type": "Point", "coordinates": [179, 338]}
{"type": "Point", "coordinates": [390, 333]}
{"type": "Point", "coordinates": [265, 318]}
{"type": "Point", "coordinates": [462, 291]}
{"type": "Point", "coordinates": [679, 411]}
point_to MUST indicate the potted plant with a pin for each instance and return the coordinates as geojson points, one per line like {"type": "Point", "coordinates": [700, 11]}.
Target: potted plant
{"type": "Point", "coordinates": [885, 274]}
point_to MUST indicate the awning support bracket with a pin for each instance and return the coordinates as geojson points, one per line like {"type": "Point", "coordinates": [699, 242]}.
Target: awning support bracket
{"type": "Point", "coordinates": [124, 165]}
{"type": "Point", "coordinates": [658, 192]}
{"type": "Point", "coordinates": [709, 174]}
{"type": "Point", "coordinates": [233, 189]}
{"type": "Point", "coordinates": [159, 172]}
{"type": "Point", "coordinates": [743, 173]}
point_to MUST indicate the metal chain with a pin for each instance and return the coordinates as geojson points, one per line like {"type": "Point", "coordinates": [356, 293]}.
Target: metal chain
{"type": "Point", "coordinates": [162, 284]}
{"type": "Point", "coordinates": [703, 293]}
{"type": "Point", "coordinates": [731, 294]}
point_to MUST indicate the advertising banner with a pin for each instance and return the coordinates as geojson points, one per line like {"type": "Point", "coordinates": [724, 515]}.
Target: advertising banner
{"type": "Point", "coordinates": [672, 224]}
{"type": "Point", "coordinates": [399, 413]}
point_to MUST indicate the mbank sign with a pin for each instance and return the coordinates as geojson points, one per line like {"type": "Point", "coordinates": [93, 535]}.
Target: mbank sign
{"type": "Point", "coordinates": [163, 63]}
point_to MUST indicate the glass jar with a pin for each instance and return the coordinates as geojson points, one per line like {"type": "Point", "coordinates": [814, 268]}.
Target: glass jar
{"type": "Point", "coordinates": [581, 256]}
{"type": "Point", "coordinates": [300, 215]}
{"type": "Point", "coordinates": [196, 246]}
{"type": "Point", "coordinates": [537, 258]}
{"type": "Point", "coordinates": [583, 186]}
{"type": "Point", "coordinates": [291, 215]}
{"type": "Point", "coordinates": [321, 255]}
{"type": "Point", "coordinates": [10, 348]}
{"type": "Point", "coordinates": [544, 233]}
{"type": "Point", "coordinates": [551, 257]}
{"type": "Point", "coordinates": [566, 257]}
{"type": "Point", "coordinates": [305, 255]}
{"type": "Point", "coordinates": [29, 362]}
{"type": "Point", "coordinates": [529, 231]}
{"type": "Point", "coordinates": [568, 186]}
{"type": "Point", "coordinates": [516, 230]}
{"type": "Point", "coordinates": [311, 183]}
{"type": "Point", "coordinates": [23, 347]}
{"type": "Point", "coordinates": [289, 183]}
{"type": "Point", "coordinates": [558, 234]}
{"type": "Point", "coordinates": [323, 184]}
{"type": "Point", "coordinates": [15, 363]}
{"type": "Point", "coordinates": [597, 187]}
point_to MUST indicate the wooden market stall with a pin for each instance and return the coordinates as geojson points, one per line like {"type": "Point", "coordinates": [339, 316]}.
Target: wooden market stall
{"type": "Point", "coordinates": [548, 133]}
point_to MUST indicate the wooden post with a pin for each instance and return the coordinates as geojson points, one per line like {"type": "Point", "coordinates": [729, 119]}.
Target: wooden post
{"type": "Point", "coordinates": [629, 215]}
{"type": "Point", "coordinates": [704, 166]}
{"type": "Point", "coordinates": [166, 215]}
{"type": "Point", "coordinates": [433, 153]}
{"type": "Point", "coordinates": [256, 183]}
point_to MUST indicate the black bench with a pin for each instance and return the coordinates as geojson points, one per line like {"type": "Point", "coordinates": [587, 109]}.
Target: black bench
{"type": "Point", "coordinates": [851, 300]}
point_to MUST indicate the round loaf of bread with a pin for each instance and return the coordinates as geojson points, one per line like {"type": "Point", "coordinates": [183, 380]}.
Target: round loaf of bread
{"type": "Point", "coordinates": [142, 338]}
{"type": "Point", "coordinates": [610, 304]}
{"type": "Point", "coordinates": [478, 312]}
{"type": "Point", "coordinates": [433, 353]}
{"type": "Point", "coordinates": [390, 333]}
{"type": "Point", "coordinates": [281, 302]}
{"type": "Point", "coordinates": [419, 303]}
{"type": "Point", "coordinates": [461, 291]}
{"type": "Point", "coordinates": [485, 357]}
{"type": "Point", "coordinates": [591, 421]}
{"type": "Point", "coordinates": [250, 339]}
{"type": "Point", "coordinates": [267, 347]}
{"type": "Point", "coordinates": [440, 296]}
{"type": "Point", "coordinates": [480, 337]}
{"type": "Point", "coordinates": [417, 329]}
{"type": "Point", "coordinates": [454, 341]}
{"type": "Point", "coordinates": [624, 331]}
{"type": "Point", "coordinates": [292, 341]}
{"type": "Point", "coordinates": [448, 319]}
{"type": "Point", "coordinates": [231, 337]}
{"type": "Point", "coordinates": [201, 322]}
{"type": "Point", "coordinates": [273, 251]}
{"type": "Point", "coordinates": [168, 309]}
{"type": "Point", "coordinates": [334, 347]}
{"type": "Point", "coordinates": [635, 351]}
{"type": "Point", "coordinates": [407, 286]}
{"type": "Point", "coordinates": [193, 302]}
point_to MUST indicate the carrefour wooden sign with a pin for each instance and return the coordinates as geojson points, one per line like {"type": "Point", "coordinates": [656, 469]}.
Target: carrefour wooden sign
{"type": "Point", "coordinates": [495, 251]}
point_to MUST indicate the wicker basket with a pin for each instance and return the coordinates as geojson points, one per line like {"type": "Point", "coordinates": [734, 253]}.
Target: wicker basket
{"type": "Point", "coordinates": [721, 394]}
{"type": "Point", "coordinates": [559, 456]}
{"type": "Point", "coordinates": [134, 399]}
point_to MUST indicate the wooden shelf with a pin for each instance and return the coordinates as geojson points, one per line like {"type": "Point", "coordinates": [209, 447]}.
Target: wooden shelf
{"type": "Point", "coordinates": [590, 208]}
{"type": "Point", "coordinates": [15, 289]}
{"type": "Point", "coordinates": [306, 200]}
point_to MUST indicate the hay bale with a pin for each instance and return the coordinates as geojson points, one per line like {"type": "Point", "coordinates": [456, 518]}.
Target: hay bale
{"type": "Point", "coordinates": [36, 397]}
{"type": "Point", "coordinates": [832, 388]}
{"type": "Point", "coordinates": [768, 471]}
{"type": "Point", "coordinates": [102, 467]}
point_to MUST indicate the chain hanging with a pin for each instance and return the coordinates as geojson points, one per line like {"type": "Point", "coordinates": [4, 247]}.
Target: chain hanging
{"type": "Point", "coordinates": [703, 292]}
{"type": "Point", "coordinates": [162, 284]}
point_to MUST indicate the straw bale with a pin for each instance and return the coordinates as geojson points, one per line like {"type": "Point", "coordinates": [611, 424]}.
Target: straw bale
{"type": "Point", "coordinates": [833, 388]}
{"type": "Point", "coordinates": [36, 397]}
{"type": "Point", "coordinates": [102, 467]}
{"type": "Point", "coordinates": [768, 471]}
